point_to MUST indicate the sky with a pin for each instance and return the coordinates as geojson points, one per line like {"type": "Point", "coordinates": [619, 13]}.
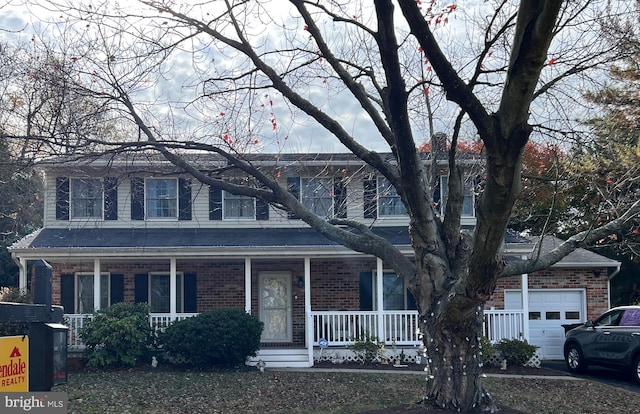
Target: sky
{"type": "Point", "coordinates": [293, 133]}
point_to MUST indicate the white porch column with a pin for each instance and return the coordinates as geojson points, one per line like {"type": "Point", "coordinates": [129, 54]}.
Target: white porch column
{"type": "Point", "coordinates": [380, 299]}
{"type": "Point", "coordinates": [96, 284]}
{"type": "Point", "coordinates": [307, 309]}
{"type": "Point", "coordinates": [524, 282]}
{"type": "Point", "coordinates": [247, 285]}
{"type": "Point", "coordinates": [22, 276]}
{"type": "Point", "coordinates": [173, 286]}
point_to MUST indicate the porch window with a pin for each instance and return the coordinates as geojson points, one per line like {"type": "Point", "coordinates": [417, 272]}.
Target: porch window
{"type": "Point", "coordinates": [159, 293]}
{"type": "Point", "coordinates": [468, 205]}
{"type": "Point", "coordinates": [84, 292]}
{"type": "Point", "coordinates": [161, 198]}
{"type": "Point", "coordinates": [389, 203]}
{"type": "Point", "coordinates": [395, 296]}
{"type": "Point", "coordinates": [316, 195]}
{"type": "Point", "coordinates": [86, 198]}
{"type": "Point", "coordinates": [239, 207]}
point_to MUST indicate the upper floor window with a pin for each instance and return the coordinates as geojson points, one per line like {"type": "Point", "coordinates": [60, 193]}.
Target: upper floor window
{"type": "Point", "coordinates": [86, 198]}
{"type": "Point", "coordinates": [239, 207]}
{"type": "Point", "coordinates": [389, 203]}
{"type": "Point", "coordinates": [468, 204]}
{"type": "Point", "coordinates": [315, 194]}
{"type": "Point", "coordinates": [382, 200]}
{"type": "Point", "coordinates": [324, 196]}
{"type": "Point", "coordinates": [161, 196]}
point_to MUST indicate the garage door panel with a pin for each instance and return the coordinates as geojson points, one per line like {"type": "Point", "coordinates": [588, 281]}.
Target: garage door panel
{"type": "Point", "coordinates": [549, 309]}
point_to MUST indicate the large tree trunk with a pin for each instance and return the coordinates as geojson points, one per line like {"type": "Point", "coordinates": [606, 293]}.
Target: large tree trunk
{"type": "Point", "coordinates": [453, 353]}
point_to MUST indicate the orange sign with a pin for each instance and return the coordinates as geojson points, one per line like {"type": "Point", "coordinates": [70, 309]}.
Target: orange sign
{"type": "Point", "coordinates": [14, 364]}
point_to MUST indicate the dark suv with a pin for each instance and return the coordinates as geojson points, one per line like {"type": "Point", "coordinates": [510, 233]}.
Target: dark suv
{"type": "Point", "coordinates": [612, 340]}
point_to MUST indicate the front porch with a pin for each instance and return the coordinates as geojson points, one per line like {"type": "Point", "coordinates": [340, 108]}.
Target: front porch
{"type": "Point", "coordinates": [398, 330]}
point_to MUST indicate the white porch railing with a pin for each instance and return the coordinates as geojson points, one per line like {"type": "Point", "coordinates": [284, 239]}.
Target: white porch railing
{"type": "Point", "coordinates": [345, 327]}
{"type": "Point", "coordinates": [75, 322]}
{"type": "Point", "coordinates": [401, 327]}
{"type": "Point", "coordinates": [341, 328]}
{"type": "Point", "coordinates": [504, 324]}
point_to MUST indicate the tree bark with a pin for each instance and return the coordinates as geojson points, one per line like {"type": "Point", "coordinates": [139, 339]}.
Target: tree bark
{"type": "Point", "coordinates": [453, 353]}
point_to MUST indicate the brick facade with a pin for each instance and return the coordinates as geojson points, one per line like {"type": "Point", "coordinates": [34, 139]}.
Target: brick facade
{"type": "Point", "coordinates": [220, 283]}
{"type": "Point", "coordinates": [595, 284]}
{"type": "Point", "coordinates": [335, 284]}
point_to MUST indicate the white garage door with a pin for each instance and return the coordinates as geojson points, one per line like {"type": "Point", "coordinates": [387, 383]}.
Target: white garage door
{"type": "Point", "coordinates": [549, 309]}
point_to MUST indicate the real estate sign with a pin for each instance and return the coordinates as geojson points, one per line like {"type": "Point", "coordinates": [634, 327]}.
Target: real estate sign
{"type": "Point", "coordinates": [14, 364]}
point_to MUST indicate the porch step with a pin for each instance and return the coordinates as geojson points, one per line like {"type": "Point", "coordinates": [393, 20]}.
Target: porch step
{"type": "Point", "coordinates": [282, 358]}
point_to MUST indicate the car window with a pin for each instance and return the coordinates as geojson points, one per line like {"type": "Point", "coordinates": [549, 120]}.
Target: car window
{"type": "Point", "coordinates": [631, 317]}
{"type": "Point", "coordinates": [609, 319]}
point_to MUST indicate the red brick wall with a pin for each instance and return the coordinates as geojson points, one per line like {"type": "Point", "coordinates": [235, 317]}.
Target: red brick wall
{"type": "Point", "coordinates": [334, 283]}
{"type": "Point", "coordinates": [596, 287]}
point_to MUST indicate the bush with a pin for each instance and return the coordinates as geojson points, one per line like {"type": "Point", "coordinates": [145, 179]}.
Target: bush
{"type": "Point", "coordinates": [15, 295]}
{"type": "Point", "coordinates": [515, 351]}
{"type": "Point", "coordinates": [118, 336]}
{"type": "Point", "coordinates": [221, 337]}
{"type": "Point", "coordinates": [366, 348]}
{"type": "Point", "coordinates": [488, 350]}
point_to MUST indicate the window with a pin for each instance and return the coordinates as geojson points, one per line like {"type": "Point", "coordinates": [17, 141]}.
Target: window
{"type": "Point", "coordinates": [609, 319]}
{"type": "Point", "coordinates": [161, 198]}
{"type": "Point", "coordinates": [389, 203]}
{"type": "Point", "coordinates": [159, 296]}
{"type": "Point", "coordinates": [316, 195]}
{"type": "Point", "coordinates": [239, 207]}
{"type": "Point", "coordinates": [395, 296]}
{"type": "Point", "coordinates": [84, 292]}
{"type": "Point", "coordinates": [86, 198]}
{"type": "Point", "coordinates": [468, 208]}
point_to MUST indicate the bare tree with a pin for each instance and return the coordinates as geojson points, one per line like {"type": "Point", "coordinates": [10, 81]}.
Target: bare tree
{"type": "Point", "coordinates": [228, 68]}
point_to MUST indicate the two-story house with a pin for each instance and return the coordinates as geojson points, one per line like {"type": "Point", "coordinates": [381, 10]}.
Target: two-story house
{"type": "Point", "coordinates": [132, 228]}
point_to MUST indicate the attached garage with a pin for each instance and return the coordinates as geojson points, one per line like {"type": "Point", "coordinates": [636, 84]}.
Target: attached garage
{"type": "Point", "coordinates": [548, 310]}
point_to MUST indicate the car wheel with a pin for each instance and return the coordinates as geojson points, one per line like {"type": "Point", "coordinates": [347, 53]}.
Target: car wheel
{"type": "Point", "coordinates": [635, 369]}
{"type": "Point", "coordinates": [575, 360]}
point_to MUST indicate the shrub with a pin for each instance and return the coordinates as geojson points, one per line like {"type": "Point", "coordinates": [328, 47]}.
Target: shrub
{"type": "Point", "coordinates": [15, 295]}
{"type": "Point", "coordinates": [488, 350]}
{"type": "Point", "coordinates": [118, 336]}
{"type": "Point", "coordinates": [515, 351]}
{"type": "Point", "coordinates": [366, 348]}
{"type": "Point", "coordinates": [221, 337]}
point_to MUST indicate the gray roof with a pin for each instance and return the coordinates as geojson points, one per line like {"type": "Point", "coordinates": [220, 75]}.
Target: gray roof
{"type": "Point", "coordinates": [191, 237]}
{"type": "Point", "coordinates": [52, 238]}
{"type": "Point", "coordinates": [578, 258]}
{"type": "Point", "coordinates": [256, 238]}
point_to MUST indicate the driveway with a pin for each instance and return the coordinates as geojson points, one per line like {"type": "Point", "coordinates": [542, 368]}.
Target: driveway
{"type": "Point", "coordinates": [607, 376]}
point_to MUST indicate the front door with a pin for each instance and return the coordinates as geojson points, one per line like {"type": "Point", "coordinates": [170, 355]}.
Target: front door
{"type": "Point", "coordinates": [275, 306]}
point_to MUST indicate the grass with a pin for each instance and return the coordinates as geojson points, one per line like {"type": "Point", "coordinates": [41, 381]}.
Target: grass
{"type": "Point", "coordinates": [166, 391]}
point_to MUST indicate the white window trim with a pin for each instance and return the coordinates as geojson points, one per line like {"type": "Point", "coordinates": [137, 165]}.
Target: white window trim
{"type": "Point", "coordinates": [71, 200]}
{"type": "Point", "coordinates": [179, 288]}
{"type": "Point", "coordinates": [76, 284]}
{"type": "Point", "coordinates": [330, 197]}
{"type": "Point", "coordinates": [374, 290]}
{"type": "Point", "coordinates": [378, 203]}
{"type": "Point", "coordinates": [146, 205]}
{"type": "Point", "coordinates": [444, 190]}
{"type": "Point", "coordinates": [224, 210]}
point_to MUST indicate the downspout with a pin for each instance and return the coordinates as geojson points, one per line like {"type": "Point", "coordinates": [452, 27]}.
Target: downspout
{"type": "Point", "coordinates": [615, 272]}
{"type": "Point", "coordinates": [22, 271]}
